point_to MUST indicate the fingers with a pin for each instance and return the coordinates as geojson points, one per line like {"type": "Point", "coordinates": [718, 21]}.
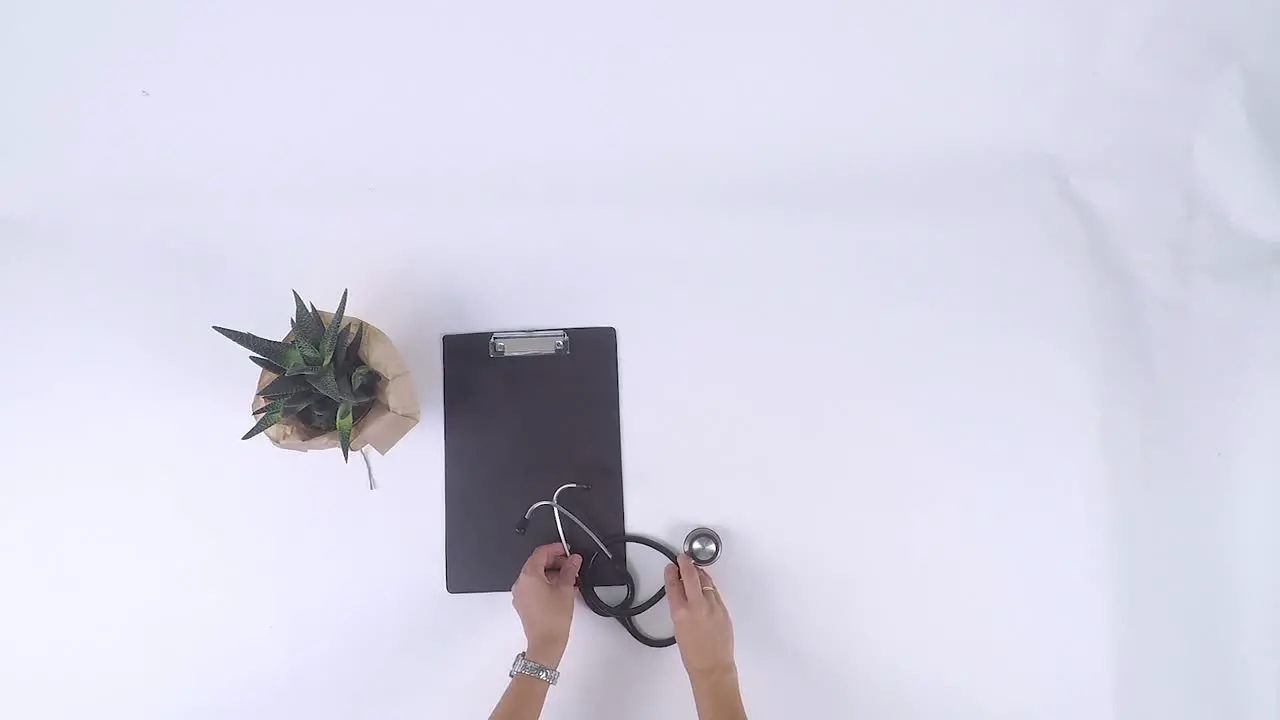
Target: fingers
{"type": "Point", "coordinates": [712, 595]}
{"type": "Point", "coordinates": [675, 589]}
{"type": "Point", "coordinates": [705, 579]}
{"type": "Point", "coordinates": [692, 581]}
{"type": "Point", "coordinates": [543, 558]}
{"type": "Point", "coordinates": [568, 573]}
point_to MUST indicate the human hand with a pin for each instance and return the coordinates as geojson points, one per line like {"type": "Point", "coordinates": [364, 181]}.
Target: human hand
{"type": "Point", "coordinates": [703, 630]}
{"type": "Point", "coordinates": [543, 598]}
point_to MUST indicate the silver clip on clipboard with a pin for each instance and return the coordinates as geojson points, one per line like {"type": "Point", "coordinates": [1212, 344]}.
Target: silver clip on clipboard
{"type": "Point", "coordinates": [524, 344]}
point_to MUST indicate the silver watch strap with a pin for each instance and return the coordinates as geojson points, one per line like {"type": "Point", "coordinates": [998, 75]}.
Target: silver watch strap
{"type": "Point", "coordinates": [532, 669]}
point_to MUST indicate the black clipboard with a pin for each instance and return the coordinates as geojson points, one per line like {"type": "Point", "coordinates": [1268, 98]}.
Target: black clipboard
{"type": "Point", "coordinates": [524, 413]}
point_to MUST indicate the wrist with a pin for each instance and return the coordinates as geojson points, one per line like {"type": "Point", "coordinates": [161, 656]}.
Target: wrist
{"type": "Point", "coordinates": [716, 692]}
{"type": "Point", "coordinates": [547, 654]}
{"type": "Point", "coordinates": [714, 674]}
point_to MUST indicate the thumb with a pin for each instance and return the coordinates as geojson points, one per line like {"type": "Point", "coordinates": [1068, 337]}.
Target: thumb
{"type": "Point", "coordinates": [569, 571]}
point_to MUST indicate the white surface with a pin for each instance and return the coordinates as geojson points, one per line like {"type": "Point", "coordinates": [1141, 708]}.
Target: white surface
{"type": "Point", "coordinates": [991, 283]}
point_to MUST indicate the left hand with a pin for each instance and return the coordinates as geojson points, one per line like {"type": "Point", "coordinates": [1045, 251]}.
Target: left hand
{"type": "Point", "coordinates": [543, 598]}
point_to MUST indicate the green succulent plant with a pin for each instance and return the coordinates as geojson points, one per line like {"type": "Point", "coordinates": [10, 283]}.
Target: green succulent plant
{"type": "Point", "coordinates": [321, 380]}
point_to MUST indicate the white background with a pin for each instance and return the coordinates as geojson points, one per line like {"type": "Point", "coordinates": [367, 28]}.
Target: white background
{"type": "Point", "coordinates": [957, 319]}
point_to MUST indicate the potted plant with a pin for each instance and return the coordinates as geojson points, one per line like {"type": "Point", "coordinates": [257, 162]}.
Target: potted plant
{"type": "Point", "coordinates": [333, 381]}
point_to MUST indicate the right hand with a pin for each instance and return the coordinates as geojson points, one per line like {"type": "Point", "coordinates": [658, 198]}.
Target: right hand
{"type": "Point", "coordinates": [703, 630]}
{"type": "Point", "coordinates": [543, 598]}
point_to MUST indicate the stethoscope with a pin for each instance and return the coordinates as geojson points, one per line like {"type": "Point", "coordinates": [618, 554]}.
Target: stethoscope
{"type": "Point", "coordinates": [702, 545]}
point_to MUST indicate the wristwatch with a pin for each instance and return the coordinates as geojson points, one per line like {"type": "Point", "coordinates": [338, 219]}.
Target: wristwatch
{"type": "Point", "coordinates": [533, 669]}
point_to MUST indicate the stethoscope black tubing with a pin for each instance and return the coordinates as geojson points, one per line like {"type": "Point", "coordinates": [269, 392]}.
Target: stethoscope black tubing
{"type": "Point", "coordinates": [624, 612]}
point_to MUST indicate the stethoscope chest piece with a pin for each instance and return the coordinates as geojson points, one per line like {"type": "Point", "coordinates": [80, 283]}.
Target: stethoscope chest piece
{"type": "Point", "coordinates": [703, 546]}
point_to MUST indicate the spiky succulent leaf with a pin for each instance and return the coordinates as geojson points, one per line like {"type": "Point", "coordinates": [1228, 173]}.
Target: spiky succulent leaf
{"type": "Point", "coordinates": [359, 374]}
{"type": "Point", "coordinates": [340, 345]}
{"type": "Point", "coordinates": [330, 340]}
{"type": "Point", "coordinates": [326, 383]}
{"type": "Point", "coordinates": [345, 391]}
{"type": "Point", "coordinates": [299, 400]}
{"type": "Point", "coordinates": [269, 349]}
{"type": "Point", "coordinates": [319, 319]}
{"type": "Point", "coordinates": [292, 358]}
{"type": "Point", "coordinates": [305, 369]}
{"type": "Point", "coordinates": [344, 429]}
{"type": "Point", "coordinates": [310, 355]}
{"type": "Point", "coordinates": [306, 325]}
{"type": "Point", "coordinates": [274, 412]}
{"type": "Point", "coordinates": [282, 386]}
{"type": "Point", "coordinates": [364, 383]}
{"type": "Point", "coordinates": [267, 365]}
{"type": "Point", "coordinates": [352, 357]}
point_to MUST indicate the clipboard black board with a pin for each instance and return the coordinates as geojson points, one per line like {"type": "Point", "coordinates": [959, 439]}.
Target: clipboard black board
{"type": "Point", "coordinates": [522, 417]}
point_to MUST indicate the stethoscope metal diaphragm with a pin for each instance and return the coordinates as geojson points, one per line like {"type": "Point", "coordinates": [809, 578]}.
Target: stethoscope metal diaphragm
{"type": "Point", "coordinates": [703, 546]}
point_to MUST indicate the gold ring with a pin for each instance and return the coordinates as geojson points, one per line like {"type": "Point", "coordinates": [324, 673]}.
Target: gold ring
{"type": "Point", "coordinates": [708, 587]}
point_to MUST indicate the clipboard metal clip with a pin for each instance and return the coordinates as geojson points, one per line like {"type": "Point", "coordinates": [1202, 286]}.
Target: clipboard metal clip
{"type": "Point", "coordinates": [524, 344]}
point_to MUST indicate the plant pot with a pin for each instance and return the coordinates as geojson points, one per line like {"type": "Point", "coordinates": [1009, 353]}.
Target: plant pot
{"type": "Point", "coordinates": [394, 412]}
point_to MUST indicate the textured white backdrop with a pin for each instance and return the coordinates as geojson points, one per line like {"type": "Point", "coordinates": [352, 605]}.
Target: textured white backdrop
{"type": "Point", "coordinates": [958, 319]}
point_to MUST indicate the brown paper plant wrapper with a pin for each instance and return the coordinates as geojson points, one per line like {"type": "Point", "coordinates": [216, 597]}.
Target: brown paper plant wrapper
{"type": "Point", "coordinates": [394, 413]}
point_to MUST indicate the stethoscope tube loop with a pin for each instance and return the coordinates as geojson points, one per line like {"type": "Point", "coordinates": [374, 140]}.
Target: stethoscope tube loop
{"type": "Point", "coordinates": [625, 611]}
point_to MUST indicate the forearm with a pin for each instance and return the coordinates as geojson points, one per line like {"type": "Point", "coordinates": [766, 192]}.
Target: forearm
{"type": "Point", "coordinates": [526, 695]}
{"type": "Point", "coordinates": [717, 696]}
{"type": "Point", "coordinates": [523, 700]}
